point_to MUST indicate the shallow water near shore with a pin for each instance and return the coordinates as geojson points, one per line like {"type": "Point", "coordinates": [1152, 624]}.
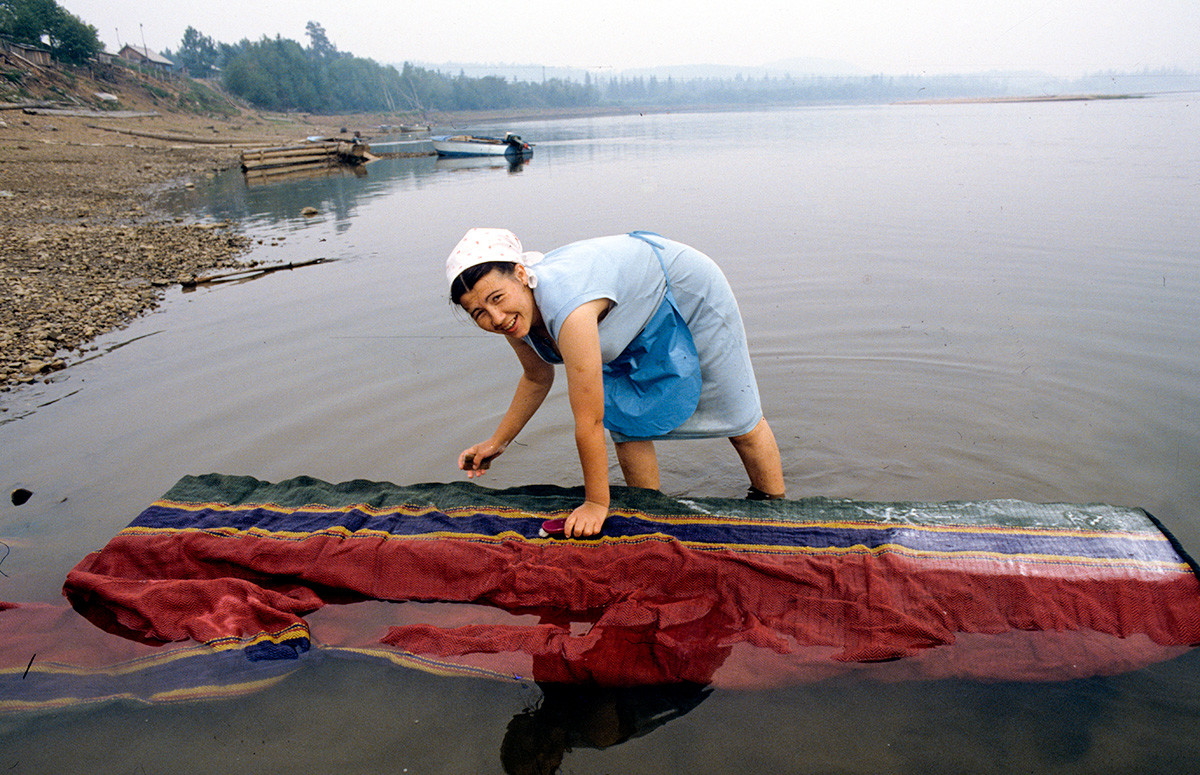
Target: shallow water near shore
{"type": "Point", "coordinates": [944, 302]}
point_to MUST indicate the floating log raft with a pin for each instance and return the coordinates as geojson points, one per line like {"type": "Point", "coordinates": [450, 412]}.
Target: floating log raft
{"type": "Point", "coordinates": [309, 154]}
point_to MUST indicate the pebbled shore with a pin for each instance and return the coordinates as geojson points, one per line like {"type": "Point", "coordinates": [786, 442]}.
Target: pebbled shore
{"type": "Point", "coordinates": [81, 251]}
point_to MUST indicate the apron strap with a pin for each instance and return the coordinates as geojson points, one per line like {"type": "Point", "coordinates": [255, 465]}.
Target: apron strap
{"type": "Point", "coordinates": [645, 236]}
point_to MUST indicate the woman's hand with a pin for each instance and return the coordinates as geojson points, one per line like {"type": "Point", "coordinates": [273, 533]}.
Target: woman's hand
{"type": "Point", "coordinates": [586, 520]}
{"type": "Point", "coordinates": [477, 459]}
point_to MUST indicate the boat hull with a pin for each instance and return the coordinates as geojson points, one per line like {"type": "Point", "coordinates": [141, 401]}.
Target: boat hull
{"type": "Point", "coordinates": [463, 146]}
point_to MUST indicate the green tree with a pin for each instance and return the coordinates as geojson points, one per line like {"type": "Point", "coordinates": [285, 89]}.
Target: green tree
{"type": "Point", "coordinates": [197, 53]}
{"type": "Point", "coordinates": [319, 43]}
{"type": "Point", "coordinates": [74, 41]}
{"type": "Point", "coordinates": [279, 74]}
{"type": "Point", "coordinates": [26, 21]}
{"type": "Point", "coordinates": [44, 22]}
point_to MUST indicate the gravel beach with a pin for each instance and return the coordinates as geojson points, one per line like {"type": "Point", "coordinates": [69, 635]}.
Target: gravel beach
{"type": "Point", "coordinates": [81, 250]}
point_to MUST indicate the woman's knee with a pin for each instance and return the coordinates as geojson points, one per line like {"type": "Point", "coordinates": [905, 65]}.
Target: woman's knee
{"type": "Point", "coordinates": [752, 437]}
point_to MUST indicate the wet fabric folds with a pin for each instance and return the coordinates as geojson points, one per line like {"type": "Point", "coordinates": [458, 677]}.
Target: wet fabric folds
{"type": "Point", "coordinates": [699, 590]}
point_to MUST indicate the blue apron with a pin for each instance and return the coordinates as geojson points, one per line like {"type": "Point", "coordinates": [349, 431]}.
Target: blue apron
{"type": "Point", "coordinates": [654, 384]}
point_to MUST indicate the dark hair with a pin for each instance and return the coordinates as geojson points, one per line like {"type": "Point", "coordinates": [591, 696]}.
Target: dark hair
{"type": "Point", "coordinates": [472, 274]}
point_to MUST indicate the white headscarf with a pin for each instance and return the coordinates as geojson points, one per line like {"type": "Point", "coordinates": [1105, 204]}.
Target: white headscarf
{"type": "Point", "coordinates": [480, 246]}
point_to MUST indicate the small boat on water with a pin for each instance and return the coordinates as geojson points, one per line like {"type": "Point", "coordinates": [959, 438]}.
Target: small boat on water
{"type": "Point", "coordinates": [473, 145]}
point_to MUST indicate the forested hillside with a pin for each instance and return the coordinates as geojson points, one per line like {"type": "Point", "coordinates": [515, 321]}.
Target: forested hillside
{"type": "Point", "coordinates": [281, 74]}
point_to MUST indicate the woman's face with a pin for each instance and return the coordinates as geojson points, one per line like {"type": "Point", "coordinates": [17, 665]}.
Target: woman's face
{"type": "Point", "coordinates": [503, 303]}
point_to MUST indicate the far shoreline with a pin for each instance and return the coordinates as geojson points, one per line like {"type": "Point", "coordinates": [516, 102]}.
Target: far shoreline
{"type": "Point", "coordinates": [454, 120]}
{"type": "Point", "coordinates": [1026, 98]}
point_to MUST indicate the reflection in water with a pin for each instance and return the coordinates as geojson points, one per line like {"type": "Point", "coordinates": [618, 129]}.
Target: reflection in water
{"type": "Point", "coordinates": [570, 717]}
{"type": "Point", "coordinates": [513, 162]}
{"type": "Point", "coordinates": [273, 177]}
{"type": "Point", "coordinates": [339, 191]}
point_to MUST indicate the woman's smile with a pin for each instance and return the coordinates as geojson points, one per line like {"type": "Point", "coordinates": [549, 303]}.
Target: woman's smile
{"type": "Point", "coordinates": [502, 304]}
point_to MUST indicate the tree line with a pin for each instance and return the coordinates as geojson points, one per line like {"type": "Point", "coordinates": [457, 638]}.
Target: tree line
{"type": "Point", "coordinates": [281, 74]}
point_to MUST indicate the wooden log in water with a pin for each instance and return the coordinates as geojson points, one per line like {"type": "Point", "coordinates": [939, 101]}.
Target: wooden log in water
{"type": "Point", "coordinates": [250, 165]}
{"type": "Point", "coordinates": [249, 157]}
{"type": "Point", "coordinates": [267, 177]}
{"type": "Point", "coordinates": [287, 162]}
{"type": "Point", "coordinates": [292, 155]}
{"type": "Point", "coordinates": [251, 271]}
{"type": "Point", "coordinates": [291, 150]}
{"type": "Point", "coordinates": [287, 155]}
{"type": "Point", "coordinates": [285, 169]}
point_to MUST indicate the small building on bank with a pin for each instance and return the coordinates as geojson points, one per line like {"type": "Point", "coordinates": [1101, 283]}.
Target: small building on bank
{"type": "Point", "coordinates": [147, 58]}
{"type": "Point", "coordinates": [25, 53]}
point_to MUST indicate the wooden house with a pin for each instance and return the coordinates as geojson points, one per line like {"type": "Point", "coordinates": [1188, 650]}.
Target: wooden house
{"type": "Point", "coordinates": [147, 58]}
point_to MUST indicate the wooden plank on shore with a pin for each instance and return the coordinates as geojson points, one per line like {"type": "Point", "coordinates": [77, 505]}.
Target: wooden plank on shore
{"type": "Point", "coordinates": [24, 105]}
{"type": "Point", "coordinates": [90, 113]}
{"type": "Point", "coordinates": [162, 136]}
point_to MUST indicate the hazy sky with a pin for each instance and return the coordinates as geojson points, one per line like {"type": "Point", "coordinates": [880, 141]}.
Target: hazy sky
{"type": "Point", "coordinates": [1063, 37]}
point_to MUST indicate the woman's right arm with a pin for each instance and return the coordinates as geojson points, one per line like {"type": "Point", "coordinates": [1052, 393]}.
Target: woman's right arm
{"type": "Point", "coordinates": [537, 377]}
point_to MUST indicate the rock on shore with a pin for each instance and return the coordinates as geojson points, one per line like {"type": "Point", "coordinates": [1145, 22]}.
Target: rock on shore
{"type": "Point", "coordinates": [61, 285]}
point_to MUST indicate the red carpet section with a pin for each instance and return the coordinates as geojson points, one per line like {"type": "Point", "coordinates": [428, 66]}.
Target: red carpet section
{"type": "Point", "coordinates": [710, 591]}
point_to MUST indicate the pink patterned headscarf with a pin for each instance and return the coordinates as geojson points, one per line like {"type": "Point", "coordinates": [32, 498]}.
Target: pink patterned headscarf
{"type": "Point", "coordinates": [482, 245]}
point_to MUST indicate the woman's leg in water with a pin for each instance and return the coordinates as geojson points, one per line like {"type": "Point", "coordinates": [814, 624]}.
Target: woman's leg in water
{"type": "Point", "coordinates": [639, 463]}
{"type": "Point", "coordinates": [760, 456]}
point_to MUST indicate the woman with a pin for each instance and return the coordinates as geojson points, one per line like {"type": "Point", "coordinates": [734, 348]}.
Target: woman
{"type": "Point", "coordinates": [650, 337]}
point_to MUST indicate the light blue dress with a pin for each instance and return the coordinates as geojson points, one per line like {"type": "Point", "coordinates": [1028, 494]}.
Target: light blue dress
{"type": "Point", "coordinates": [625, 270]}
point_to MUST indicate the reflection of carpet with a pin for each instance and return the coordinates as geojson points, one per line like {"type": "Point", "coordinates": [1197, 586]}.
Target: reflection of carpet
{"type": "Point", "coordinates": [702, 590]}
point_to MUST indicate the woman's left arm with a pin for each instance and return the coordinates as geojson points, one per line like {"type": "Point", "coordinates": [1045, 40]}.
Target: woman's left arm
{"type": "Point", "coordinates": [579, 344]}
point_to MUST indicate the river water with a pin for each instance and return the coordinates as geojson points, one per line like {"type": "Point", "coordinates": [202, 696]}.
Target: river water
{"type": "Point", "coordinates": [944, 302]}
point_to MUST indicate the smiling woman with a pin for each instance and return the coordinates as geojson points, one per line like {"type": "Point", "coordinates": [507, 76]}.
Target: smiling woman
{"type": "Point", "coordinates": [652, 343]}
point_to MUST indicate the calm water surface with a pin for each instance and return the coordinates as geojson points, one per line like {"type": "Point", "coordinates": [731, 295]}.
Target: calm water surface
{"type": "Point", "coordinates": [949, 302]}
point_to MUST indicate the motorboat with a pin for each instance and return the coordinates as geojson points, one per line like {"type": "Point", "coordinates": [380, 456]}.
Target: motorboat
{"type": "Point", "coordinates": [475, 145]}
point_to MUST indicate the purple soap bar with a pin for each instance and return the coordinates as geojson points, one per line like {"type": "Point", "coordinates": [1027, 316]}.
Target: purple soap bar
{"type": "Point", "coordinates": [553, 527]}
